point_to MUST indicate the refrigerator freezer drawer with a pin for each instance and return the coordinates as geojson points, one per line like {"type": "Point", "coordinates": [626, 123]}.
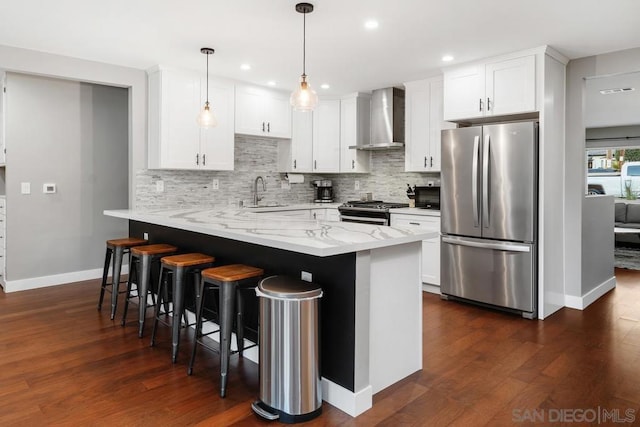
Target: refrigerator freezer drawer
{"type": "Point", "coordinates": [491, 272]}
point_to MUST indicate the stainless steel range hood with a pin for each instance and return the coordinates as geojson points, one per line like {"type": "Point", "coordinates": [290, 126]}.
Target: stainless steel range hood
{"type": "Point", "coordinates": [387, 120]}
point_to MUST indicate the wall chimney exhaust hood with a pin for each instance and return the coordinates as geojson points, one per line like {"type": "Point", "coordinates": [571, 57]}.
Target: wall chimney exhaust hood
{"type": "Point", "coordinates": [387, 120]}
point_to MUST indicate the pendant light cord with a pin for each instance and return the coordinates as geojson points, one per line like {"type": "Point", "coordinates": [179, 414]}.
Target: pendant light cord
{"type": "Point", "coordinates": [304, 43]}
{"type": "Point", "coordinates": [208, 78]}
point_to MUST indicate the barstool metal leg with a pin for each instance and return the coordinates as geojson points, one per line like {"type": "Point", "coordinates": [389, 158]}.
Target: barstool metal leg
{"type": "Point", "coordinates": [133, 271]}
{"type": "Point", "coordinates": [143, 290]}
{"type": "Point", "coordinates": [227, 304]}
{"type": "Point", "coordinates": [178, 306]}
{"type": "Point", "coordinates": [105, 274]}
{"type": "Point", "coordinates": [161, 300]}
{"type": "Point", "coordinates": [199, 288]}
{"type": "Point", "coordinates": [240, 322]}
{"type": "Point", "coordinates": [115, 287]}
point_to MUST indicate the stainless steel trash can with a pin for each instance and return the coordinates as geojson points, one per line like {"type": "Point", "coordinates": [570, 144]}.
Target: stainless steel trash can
{"type": "Point", "coordinates": [290, 389]}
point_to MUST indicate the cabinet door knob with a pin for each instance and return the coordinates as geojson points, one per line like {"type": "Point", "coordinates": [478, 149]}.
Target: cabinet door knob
{"type": "Point", "coordinates": [197, 159]}
{"type": "Point", "coordinates": [204, 160]}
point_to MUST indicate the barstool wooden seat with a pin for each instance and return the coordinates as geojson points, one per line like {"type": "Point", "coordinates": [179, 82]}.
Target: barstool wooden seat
{"type": "Point", "coordinates": [179, 266]}
{"type": "Point", "coordinates": [229, 279]}
{"type": "Point", "coordinates": [117, 248]}
{"type": "Point", "coordinates": [141, 259]}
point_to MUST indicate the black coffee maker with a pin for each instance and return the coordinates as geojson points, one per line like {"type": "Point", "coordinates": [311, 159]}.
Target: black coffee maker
{"type": "Point", "coordinates": [324, 191]}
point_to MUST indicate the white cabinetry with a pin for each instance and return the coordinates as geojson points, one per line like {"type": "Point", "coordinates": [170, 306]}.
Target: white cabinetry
{"type": "Point", "coordinates": [355, 111]}
{"type": "Point", "coordinates": [315, 141]}
{"type": "Point", "coordinates": [423, 123]}
{"type": "Point", "coordinates": [175, 139]}
{"type": "Point", "coordinates": [490, 89]}
{"type": "Point", "coordinates": [262, 112]}
{"type": "Point", "coordinates": [326, 136]}
{"type": "Point", "coordinates": [3, 104]}
{"type": "Point", "coordinates": [3, 239]}
{"type": "Point", "coordinates": [430, 247]}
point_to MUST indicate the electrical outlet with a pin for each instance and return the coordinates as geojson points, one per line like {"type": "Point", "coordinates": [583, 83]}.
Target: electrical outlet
{"type": "Point", "coordinates": [160, 186]}
{"type": "Point", "coordinates": [25, 187]}
{"type": "Point", "coordinates": [306, 276]}
{"type": "Point", "coordinates": [215, 184]}
{"type": "Point", "coordinates": [145, 236]}
{"type": "Point", "coordinates": [285, 185]}
{"type": "Point", "coordinates": [357, 185]}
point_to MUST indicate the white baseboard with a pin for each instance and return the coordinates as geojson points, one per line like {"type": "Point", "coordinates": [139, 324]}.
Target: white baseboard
{"type": "Point", "coordinates": [347, 401]}
{"type": "Point", "coordinates": [432, 289]}
{"type": "Point", "coordinates": [580, 303]}
{"type": "Point", "coordinates": [55, 279]}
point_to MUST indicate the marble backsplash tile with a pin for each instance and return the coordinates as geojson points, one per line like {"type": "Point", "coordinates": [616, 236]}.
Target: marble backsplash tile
{"type": "Point", "coordinates": [256, 156]}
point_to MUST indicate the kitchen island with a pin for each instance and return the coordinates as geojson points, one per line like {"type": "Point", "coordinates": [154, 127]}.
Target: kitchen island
{"type": "Point", "coordinates": [371, 311]}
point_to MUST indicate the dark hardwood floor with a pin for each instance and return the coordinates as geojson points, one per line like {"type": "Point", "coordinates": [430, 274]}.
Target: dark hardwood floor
{"type": "Point", "coordinates": [64, 363]}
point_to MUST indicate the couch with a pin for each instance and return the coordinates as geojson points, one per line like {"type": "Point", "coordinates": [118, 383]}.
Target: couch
{"type": "Point", "coordinates": [627, 215]}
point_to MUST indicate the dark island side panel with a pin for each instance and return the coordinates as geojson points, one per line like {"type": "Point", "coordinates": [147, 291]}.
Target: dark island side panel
{"type": "Point", "coordinates": [335, 274]}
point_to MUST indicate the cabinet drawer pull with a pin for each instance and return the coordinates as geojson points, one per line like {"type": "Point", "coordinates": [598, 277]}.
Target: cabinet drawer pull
{"type": "Point", "coordinates": [315, 164]}
{"type": "Point", "coordinates": [294, 164]}
{"type": "Point", "coordinates": [204, 160]}
{"type": "Point", "coordinates": [414, 223]}
{"type": "Point", "coordinates": [425, 161]}
{"type": "Point", "coordinates": [480, 106]}
{"type": "Point", "coordinates": [488, 104]}
{"type": "Point", "coordinates": [353, 164]}
{"type": "Point", "coordinates": [197, 159]}
{"type": "Point", "coordinates": [269, 127]}
{"type": "Point", "coordinates": [262, 126]}
{"type": "Point", "coordinates": [431, 161]}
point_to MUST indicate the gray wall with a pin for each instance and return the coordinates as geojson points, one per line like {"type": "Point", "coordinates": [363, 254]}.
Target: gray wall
{"type": "Point", "coordinates": [597, 240]}
{"type": "Point", "coordinates": [258, 156]}
{"type": "Point", "coordinates": [76, 136]}
{"type": "Point", "coordinates": [577, 70]}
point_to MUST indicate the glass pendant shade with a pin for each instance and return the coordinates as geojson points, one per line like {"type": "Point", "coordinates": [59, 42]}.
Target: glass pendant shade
{"type": "Point", "coordinates": [304, 98]}
{"type": "Point", "coordinates": [206, 119]}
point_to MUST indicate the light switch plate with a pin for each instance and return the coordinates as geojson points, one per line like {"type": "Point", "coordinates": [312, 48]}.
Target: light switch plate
{"type": "Point", "coordinates": [160, 186]}
{"type": "Point", "coordinates": [306, 276]}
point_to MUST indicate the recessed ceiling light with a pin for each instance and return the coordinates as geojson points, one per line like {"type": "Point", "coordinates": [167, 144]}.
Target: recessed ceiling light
{"type": "Point", "coordinates": [447, 58]}
{"type": "Point", "coordinates": [325, 86]}
{"type": "Point", "coordinates": [271, 83]}
{"type": "Point", "coordinates": [371, 24]}
{"type": "Point", "coordinates": [245, 67]}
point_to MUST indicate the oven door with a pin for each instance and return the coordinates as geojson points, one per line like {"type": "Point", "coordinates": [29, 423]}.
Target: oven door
{"type": "Point", "coordinates": [364, 217]}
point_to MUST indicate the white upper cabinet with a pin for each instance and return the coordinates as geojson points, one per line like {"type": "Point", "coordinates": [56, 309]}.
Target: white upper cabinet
{"type": "Point", "coordinates": [423, 123]}
{"type": "Point", "coordinates": [490, 89]}
{"type": "Point", "coordinates": [315, 141]}
{"type": "Point", "coordinates": [326, 136]}
{"type": "Point", "coordinates": [262, 112]}
{"type": "Point", "coordinates": [175, 139]}
{"type": "Point", "coordinates": [355, 112]}
{"type": "Point", "coordinates": [2, 116]}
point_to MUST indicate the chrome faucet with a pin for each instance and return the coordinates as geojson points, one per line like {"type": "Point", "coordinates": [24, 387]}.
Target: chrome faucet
{"type": "Point", "coordinates": [256, 199]}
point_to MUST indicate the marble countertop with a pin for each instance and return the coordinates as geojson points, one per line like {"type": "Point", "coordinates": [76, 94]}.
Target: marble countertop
{"type": "Point", "coordinates": [267, 228]}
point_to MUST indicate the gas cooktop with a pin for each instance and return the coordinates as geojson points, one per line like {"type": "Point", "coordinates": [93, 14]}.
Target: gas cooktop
{"type": "Point", "coordinates": [373, 204]}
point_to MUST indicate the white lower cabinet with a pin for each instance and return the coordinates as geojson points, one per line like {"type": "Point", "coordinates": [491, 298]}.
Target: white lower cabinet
{"type": "Point", "coordinates": [430, 247]}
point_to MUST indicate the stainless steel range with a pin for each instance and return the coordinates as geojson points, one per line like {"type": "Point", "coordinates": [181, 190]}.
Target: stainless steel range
{"type": "Point", "coordinates": [369, 212]}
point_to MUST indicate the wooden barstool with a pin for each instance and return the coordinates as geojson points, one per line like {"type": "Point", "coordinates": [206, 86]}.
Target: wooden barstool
{"type": "Point", "coordinates": [178, 266]}
{"type": "Point", "coordinates": [229, 279]}
{"type": "Point", "coordinates": [117, 248]}
{"type": "Point", "coordinates": [141, 259]}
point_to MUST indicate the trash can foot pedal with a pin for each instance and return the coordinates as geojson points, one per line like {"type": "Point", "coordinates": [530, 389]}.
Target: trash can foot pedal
{"type": "Point", "coordinates": [264, 411]}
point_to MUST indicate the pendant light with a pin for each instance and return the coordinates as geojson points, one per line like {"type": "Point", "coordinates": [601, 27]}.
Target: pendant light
{"type": "Point", "coordinates": [304, 98]}
{"type": "Point", "coordinates": [206, 118]}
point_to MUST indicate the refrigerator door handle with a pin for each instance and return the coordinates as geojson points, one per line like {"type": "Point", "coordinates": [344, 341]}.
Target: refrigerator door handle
{"type": "Point", "coordinates": [485, 181]}
{"type": "Point", "coordinates": [474, 181]}
{"type": "Point", "coordinates": [498, 246]}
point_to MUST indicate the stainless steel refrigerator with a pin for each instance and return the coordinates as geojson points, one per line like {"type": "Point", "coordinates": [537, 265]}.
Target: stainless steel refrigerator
{"type": "Point", "coordinates": [489, 203]}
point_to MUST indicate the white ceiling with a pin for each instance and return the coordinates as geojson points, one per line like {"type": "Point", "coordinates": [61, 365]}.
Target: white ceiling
{"type": "Point", "coordinates": [412, 36]}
